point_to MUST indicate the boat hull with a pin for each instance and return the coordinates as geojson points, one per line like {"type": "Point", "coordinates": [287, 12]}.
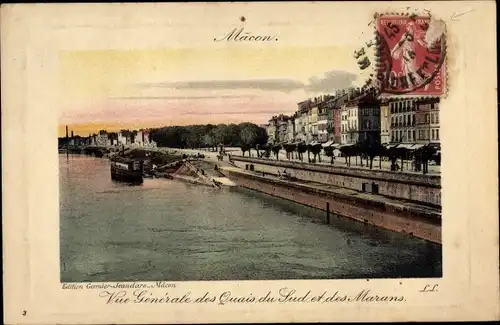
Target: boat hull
{"type": "Point", "coordinates": [126, 176]}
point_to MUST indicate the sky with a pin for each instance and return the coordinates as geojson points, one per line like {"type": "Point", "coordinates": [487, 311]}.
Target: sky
{"type": "Point", "coordinates": [132, 89]}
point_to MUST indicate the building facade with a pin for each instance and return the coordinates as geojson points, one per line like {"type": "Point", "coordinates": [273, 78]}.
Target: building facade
{"type": "Point", "coordinates": [385, 122]}
{"type": "Point", "coordinates": [302, 121]}
{"type": "Point", "coordinates": [271, 131]}
{"type": "Point", "coordinates": [427, 121]}
{"type": "Point", "coordinates": [122, 138]}
{"type": "Point", "coordinates": [290, 129]}
{"type": "Point", "coordinates": [369, 121]}
{"type": "Point", "coordinates": [312, 129]}
{"type": "Point", "coordinates": [336, 119]}
{"type": "Point", "coordinates": [281, 128]}
{"type": "Point", "coordinates": [350, 123]}
{"type": "Point", "coordinates": [319, 123]}
{"type": "Point", "coordinates": [102, 139]}
{"type": "Point", "coordinates": [360, 120]}
{"type": "Point", "coordinates": [142, 138]}
{"type": "Point", "coordinates": [403, 123]}
{"type": "Point", "coordinates": [435, 137]}
{"type": "Point", "coordinates": [323, 123]}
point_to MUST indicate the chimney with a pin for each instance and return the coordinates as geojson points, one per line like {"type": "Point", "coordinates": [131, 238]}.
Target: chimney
{"type": "Point", "coordinates": [71, 133]}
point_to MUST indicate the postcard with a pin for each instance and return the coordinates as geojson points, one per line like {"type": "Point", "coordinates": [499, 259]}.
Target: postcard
{"type": "Point", "coordinates": [249, 162]}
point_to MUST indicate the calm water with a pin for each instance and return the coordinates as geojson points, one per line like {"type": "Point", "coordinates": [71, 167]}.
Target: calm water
{"type": "Point", "coordinates": [170, 230]}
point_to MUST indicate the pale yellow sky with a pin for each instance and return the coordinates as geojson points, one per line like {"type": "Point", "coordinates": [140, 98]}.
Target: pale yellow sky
{"type": "Point", "coordinates": [138, 88]}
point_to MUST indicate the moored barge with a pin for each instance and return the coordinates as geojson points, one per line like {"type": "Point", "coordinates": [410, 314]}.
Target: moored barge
{"type": "Point", "coordinates": [127, 170]}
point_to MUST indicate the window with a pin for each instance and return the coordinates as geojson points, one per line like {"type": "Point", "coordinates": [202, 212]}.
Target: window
{"type": "Point", "coordinates": [437, 117]}
{"type": "Point", "coordinates": [409, 135]}
{"type": "Point", "coordinates": [427, 118]}
{"type": "Point", "coordinates": [400, 135]}
{"type": "Point", "coordinates": [432, 105]}
{"type": "Point", "coordinates": [432, 118]}
{"type": "Point", "coordinates": [414, 135]}
{"type": "Point", "coordinates": [432, 134]}
{"type": "Point", "coordinates": [437, 134]}
{"type": "Point", "coordinates": [391, 105]}
{"type": "Point", "coordinates": [405, 119]}
{"type": "Point", "coordinates": [420, 137]}
{"type": "Point", "coordinates": [392, 135]}
{"type": "Point", "coordinates": [413, 119]}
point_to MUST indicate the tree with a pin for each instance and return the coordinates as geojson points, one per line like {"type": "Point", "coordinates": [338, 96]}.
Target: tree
{"type": "Point", "coordinates": [426, 153]}
{"type": "Point", "coordinates": [329, 152]}
{"type": "Point", "coordinates": [301, 148]}
{"type": "Point", "coordinates": [208, 140]}
{"type": "Point", "coordinates": [263, 150]}
{"type": "Point", "coordinates": [289, 148]}
{"type": "Point", "coordinates": [348, 151]}
{"type": "Point", "coordinates": [373, 149]}
{"type": "Point", "coordinates": [221, 134]}
{"type": "Point", "coordinates": [245, 148]}
{"type": "Point", "coordinates": [234, 132]}
{"type": "Point", "coordinates": [316, 150]}
{"type": "Point", "coordinates": [248, 136]}
{"type": "Point", "coordinates": [392, 154]}
{"type": "Point", "coordinates": [257, 148]}
{"type": "Point", "coordinates": [276, 150]}
{"type": "Point", "coordinates": [209, 135]}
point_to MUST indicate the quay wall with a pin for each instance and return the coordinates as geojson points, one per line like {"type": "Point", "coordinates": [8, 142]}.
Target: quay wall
{"type": "Point", "coordinates": [418, 188]}
{"type": "Point", "coordinates": [415, 222]}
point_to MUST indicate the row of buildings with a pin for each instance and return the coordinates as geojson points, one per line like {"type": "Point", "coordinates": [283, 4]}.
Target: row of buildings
{"type": "Point", "coordinates": [141, 138]}
{"type": "Point", "coordinates": [353, 115]}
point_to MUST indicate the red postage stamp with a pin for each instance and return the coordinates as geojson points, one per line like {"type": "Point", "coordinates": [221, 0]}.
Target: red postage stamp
{"type": "Point", "coordinates": [411, 53]}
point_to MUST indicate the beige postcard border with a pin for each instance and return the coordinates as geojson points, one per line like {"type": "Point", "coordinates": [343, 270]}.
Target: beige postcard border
{"type": "Point", "coordinates": [34, 35]}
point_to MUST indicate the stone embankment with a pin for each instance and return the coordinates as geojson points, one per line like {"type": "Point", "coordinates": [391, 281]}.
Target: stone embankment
{"type": "Point", "coordinates": [407, 203]}
{"type": "Point", "coordinates": [418, 188]}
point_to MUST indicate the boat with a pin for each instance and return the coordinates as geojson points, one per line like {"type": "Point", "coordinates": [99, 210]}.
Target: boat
{"type": "Point", "coordinates": [127, 170]}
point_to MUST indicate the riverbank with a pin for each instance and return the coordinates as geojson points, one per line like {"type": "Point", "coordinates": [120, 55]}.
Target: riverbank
{"type": "Point", "coordinates": [189, 166]}
{"type": "Point", "coordinates": [418, 188]}
{"type": "Point", "coordinates": [419, 220]}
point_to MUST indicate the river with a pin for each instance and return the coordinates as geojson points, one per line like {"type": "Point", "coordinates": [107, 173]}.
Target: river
{"type": "Point", "coordinates": [174, 231]}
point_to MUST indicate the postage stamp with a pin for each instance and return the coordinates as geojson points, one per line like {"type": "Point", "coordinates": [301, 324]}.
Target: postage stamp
{"type": "Point", "coordinates": [411, 55]}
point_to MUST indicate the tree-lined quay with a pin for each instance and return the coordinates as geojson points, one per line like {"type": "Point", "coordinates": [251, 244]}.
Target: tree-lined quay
{"type": "Point", "coordinates": [360, 122]}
